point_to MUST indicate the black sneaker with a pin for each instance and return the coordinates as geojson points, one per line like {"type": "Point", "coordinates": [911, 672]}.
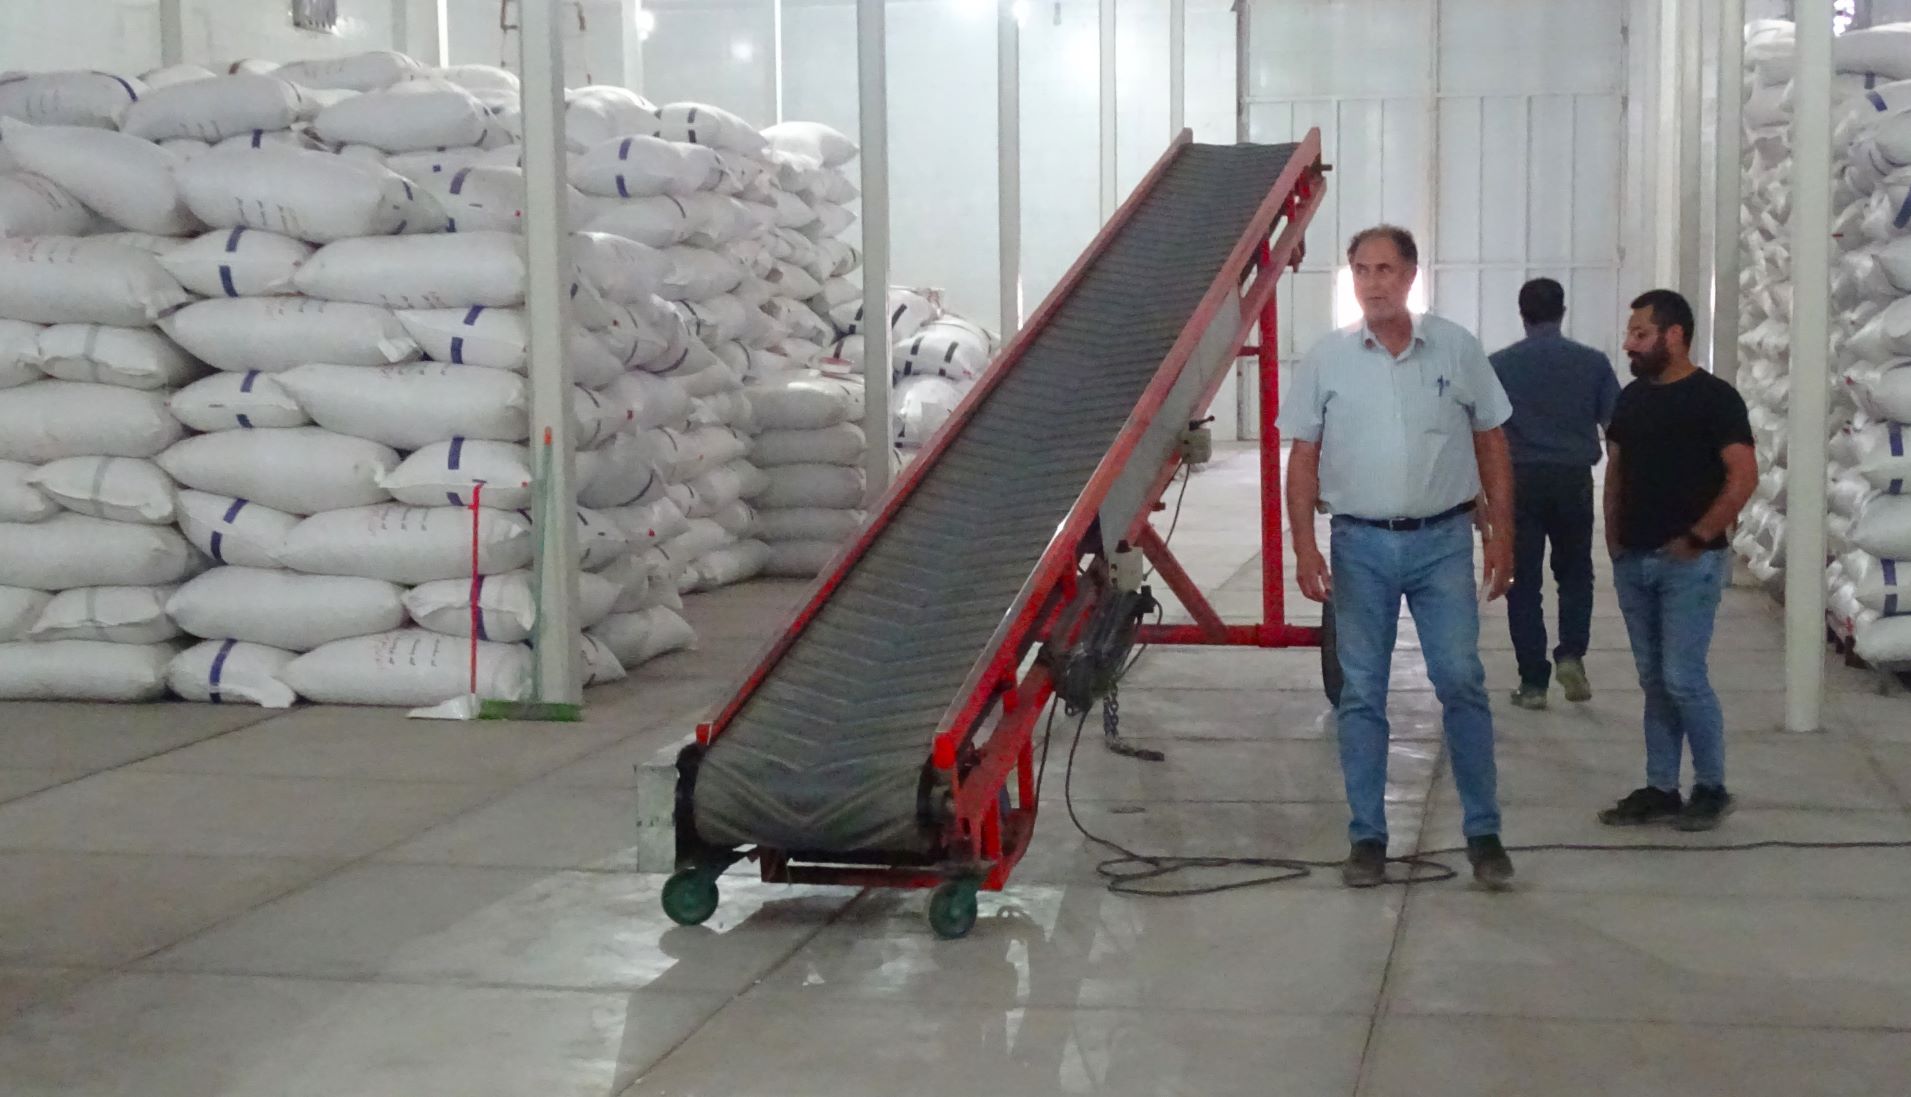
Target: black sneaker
{"type": "Point", "coordinates": [1644, 807]}
{"type": "Point", "coordinates": [1492, 868]}
{"type": "Point", "coordinates": [1366, 865]}
{"type": "Point", "coordinates": [1709, 806]}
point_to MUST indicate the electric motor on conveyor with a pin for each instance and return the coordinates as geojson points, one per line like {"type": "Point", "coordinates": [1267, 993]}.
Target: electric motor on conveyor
{"type": "Point", "coordinates": [887, 737]}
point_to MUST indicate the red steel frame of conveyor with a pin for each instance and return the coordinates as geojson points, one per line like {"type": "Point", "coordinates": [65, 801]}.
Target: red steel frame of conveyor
{"type": "Point", "coordinates": [985, 832]}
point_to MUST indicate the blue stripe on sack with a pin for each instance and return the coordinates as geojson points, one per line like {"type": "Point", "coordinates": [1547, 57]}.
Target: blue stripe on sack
{"type": "Point", "coordinates": [477, 594]}
{"type": "Point", "coordinates": [225, 281]}
{"type": "Point", "coordinates": [622, 191]}
{"type": "Point", "coordinates": [233, 510]}
{"type": "Point", "coordinates": [258, 138]}
{"type": "Point", "coordinates": [1890, 605]}
{"type": "Point", "coordinates": [219, 669]}
{"type": "Point", "coordinates": [623, 150]}
{"type": "Point", "coordinates": [251, 376]}
{"type": "Point", "coordinates": [451, 224]}
{"type": "Point", "coordinates": [457, 350]}
{"type": "Point", "coordinates": [457, 181]}
{"type": "Point", "coordinates": [1890, 572]}
{"type": "Point", "coordinates": [400, 230]}
{"type": "Point", "coordinates": [471, 317]}
{"type": "Point", "coordinates": [457, 454]}
{"type": "Point", "coordinates": [1904, 212]}
{"type": "Point", "coordinates": [245, 421]}
{"type": "Point", "coordinates": [1877, 101]}
{"type": "Point", "coordinates": [217, 540]}
{"type": "Point", "coordinates": [122, 82]}
{"type": "Point", "coordinates": [1896, 488]}
{"type": "Point", "coordinates": [1871, 80]}
{"type": "Point", "coordinates": [232, 241]}
{"type": "Point", "coordinates": [1897, 439]}
{"type": "Point", "coordinates": [456, 499]}
{"type": "Point", "coordinates": [409, 196]}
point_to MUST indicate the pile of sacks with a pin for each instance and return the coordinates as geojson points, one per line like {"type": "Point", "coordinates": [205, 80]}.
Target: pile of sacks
{"type": "Point", "coordinates": [1870, 516]}
{"type": "Point", "coordinates": [338, 242]}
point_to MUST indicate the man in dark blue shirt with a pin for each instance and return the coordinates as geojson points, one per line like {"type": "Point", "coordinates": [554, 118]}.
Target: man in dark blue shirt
{"type": "Point", "coordinates": [1563, 394]}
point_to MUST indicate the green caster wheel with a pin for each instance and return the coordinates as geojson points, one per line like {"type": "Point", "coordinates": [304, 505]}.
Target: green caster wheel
{"type": "Point", "coordinates": [952, 909]}
{"type": "Point", "coordinates": [690, 897]}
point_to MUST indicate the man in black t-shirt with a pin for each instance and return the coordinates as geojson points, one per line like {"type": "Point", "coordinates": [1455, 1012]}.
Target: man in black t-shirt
{"type": "Point", "coordinates": [1680, 468]}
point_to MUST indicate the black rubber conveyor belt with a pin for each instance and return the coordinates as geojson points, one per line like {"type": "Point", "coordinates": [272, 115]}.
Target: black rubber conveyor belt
{"type": "Point", "coordinates": [827, 755]}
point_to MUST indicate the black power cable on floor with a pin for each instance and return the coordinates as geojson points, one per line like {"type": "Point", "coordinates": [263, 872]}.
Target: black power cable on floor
{"type": "Point", "coordinates": [1127, 873]}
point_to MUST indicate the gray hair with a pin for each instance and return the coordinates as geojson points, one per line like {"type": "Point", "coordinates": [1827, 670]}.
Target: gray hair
{"type": "Point", "coordinates": [1402, 239]}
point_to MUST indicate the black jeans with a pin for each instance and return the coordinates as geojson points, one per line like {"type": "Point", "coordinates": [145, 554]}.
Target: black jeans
{"type": "Point", "coordinates": [1551, 503]}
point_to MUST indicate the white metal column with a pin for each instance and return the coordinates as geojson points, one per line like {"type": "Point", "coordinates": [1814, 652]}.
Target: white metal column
{"type": "Point", "coordinates": [1110, 164]}
{"type": "Point", "coordinates": [1691, 150]}
{"type": "Point", "coordinates": [172, 33]}
{"type": "Point", "coordinates": [1177, 67]}
{"type": "Point", "coordinates": [1667, 224]}
{"type": "Point", "coordinates": [776, 55]}
{"type": "Point", "coordinates": [1008, 176]}
{"type": "Point", "coordinates": [632, 21]}
{"type": "Point", "coordinates": [1725, 229]}
{"type": "Point", "coordinates": [1811, 287]}
{"type": "Point", "coordinates": [546, 244]}
{"type": "Point", "coordinates": [872, 66]}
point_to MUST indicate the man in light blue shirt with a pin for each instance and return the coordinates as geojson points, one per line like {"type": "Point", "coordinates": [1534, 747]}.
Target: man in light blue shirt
{"type": "Point", "coordinates": [1395, 427]}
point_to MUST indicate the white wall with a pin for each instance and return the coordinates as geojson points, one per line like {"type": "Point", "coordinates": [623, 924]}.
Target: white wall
{"type": "Point", "coordinates": [123, 35]}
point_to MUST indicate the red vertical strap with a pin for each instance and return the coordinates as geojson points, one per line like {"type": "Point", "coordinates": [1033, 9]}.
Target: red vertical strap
{"type": "Point", "coordinates": [477, 493]}
{"type": "Point", "coordinates": [1268, 366]}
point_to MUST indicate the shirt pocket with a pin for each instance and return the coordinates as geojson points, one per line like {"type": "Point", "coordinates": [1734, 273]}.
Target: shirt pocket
{"type": "Point", "coordinates": [1430, 402]}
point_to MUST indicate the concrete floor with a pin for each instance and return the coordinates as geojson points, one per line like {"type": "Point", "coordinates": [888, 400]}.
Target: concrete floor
{"type": "Point", "coordinates": [210, 901]}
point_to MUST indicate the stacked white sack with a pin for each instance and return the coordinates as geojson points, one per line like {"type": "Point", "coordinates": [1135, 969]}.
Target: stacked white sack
{"type": "Point", "coordinates": [811, 448]}
{"type": "Point", "coordinates": [88, 555]}
{"type": "Point", "coordinates": [1870, 517]}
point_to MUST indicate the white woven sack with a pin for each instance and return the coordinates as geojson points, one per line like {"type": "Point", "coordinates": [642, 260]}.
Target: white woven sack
{"type": "Point", "coordinates": [1884, 51]}
{"type": "Point", "coordinates": [275, 334]}
{"type": "Point", "coordinates": [1886, 337]}
{"type": "Point", "coordinates": [234, 531]}
{"type": "Point", "coordinates": [113, 615]}
{"type": "Point", "coordinates": [499, 338]}
{"type": "Point", "coordinates": [600, 542]}
{"type": "Point", "coordinates": [793, 282]}
{"type": "Point", "coordinates": [410, 117]}
{"type": "Point", "coordinates": [624, 473]}
{"type": "Point", "coordinates": [48, 420]}
{"type": "Point", "coordinates": [435, 165]}
{"type": "Point", "coordinates": [653, 400]}
{"type": "Point", "coordinates": [1882, 456]}
{"type": "Point", "coordinates": [123, 489]}
{"type": "Point", "coordinates": [955, 350]}
{"type": "Point", "coordinates": [238, 262]}
{"type": "Point", "coordinates": [623, 270]}
{"type": "Point", "coordinates": [1888, 392]}
{"type": "Point", "coordinates": [1883, 586]}
{"type": "Point", "coordinates": [599, 113]}
{"type": "Point", "coordinates": [409, 667]}
{"type": "Point", "coordinates": [1884, 530]}
{"type": "Point", "coordinates": [230, 671]}
{"type": "Point", "coordinates": [123, 179]}
{"type": "Point", "coordinates": [507, 605]}
{"type": "Point", "coordinates": [299, 470]}
{"type": "Point", "coordinates": [800, 559]}
{"type": "Point", "coordinates": [637, 638]}
{"type": "Point", "coordinates": [729, 565]}
{"type": "Point", "coordinates": [649, 525]}
{"type": "Point", "coordinates": [213, 110]}
{"type": "Point", "coordinates": [637, 166]}
{"type": "Point", "coordinates": [134, 358]}
{"type": "Point", "coordinates": [806, 402]}
{"type": "Point", "coordinates": [807, 524]}
{"type": "Point", "coordinates": [84, 670]}
{"type": "Point", "coordinates": [19, 609]}
{"type": "Point", "coordinates": [657, 222]}
{"type": "Point", "coordinates": [1885, 642]}
{"type": "Point", "coordinates": [725, 318]}
{"type": "Point", "coordinates": [841, 444]}
{"type": "Point", "coordinates": [480, 78]}
{"type": "Point", "coordinates": [446, 474]}
{"type": "Point", "coordinates": [94, 99]}
{"type": "Point", "coordinates": [58, 280]}
{"type": "Point", "coordinates": [490, 198]}
{"type": "Point", "coordinates": [697, 274]}
{"type": "Point", "coordinates": [72, 550]}
{"type": "Point", "coordinates": [236, 401]}
{"type": "Point", "coordinates": [284, 609]}
{"type": "Point", "coordinates": [924, 405]}
{"type": "Point", "coordinates": [368, 71]}
{"type": "Point", "coordinates": [20, 500]}
{"type": "Point", "coordinates": [313, 196]}
{"type": "Point", "coordinates": [908, 312]}
{"type": "Point", "coordinates": [454, 270]}
{"type": "Point", "coordinates": [711, 127]}
{"type": "Point", "coordinates": [823, 486]}
{"type": "Point", "coordinates": [19, 351]}
{"type": "Point", "coordinates": [712, 491]}
{"type": "Point", "coordinates": [818, 142]}
{"type": "Point", "coordinates": [406, 544]}
{"type": "Point", "coordinates": [410, 407]}
{"type": "Point", "coordinates": [737, 519]}
{"type": "Point", "coordinates": [651, 336]}
{"type": "Point", "coordinates": [716, 220]}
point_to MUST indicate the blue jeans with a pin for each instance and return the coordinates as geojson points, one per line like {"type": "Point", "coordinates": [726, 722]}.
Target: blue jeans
{"type": "Point", "coordinates": [1670, 606]}
{"type": "Point", "coordinates": [1432, 569]}
{"type": "Point", "coordinates": [1552, 503]}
